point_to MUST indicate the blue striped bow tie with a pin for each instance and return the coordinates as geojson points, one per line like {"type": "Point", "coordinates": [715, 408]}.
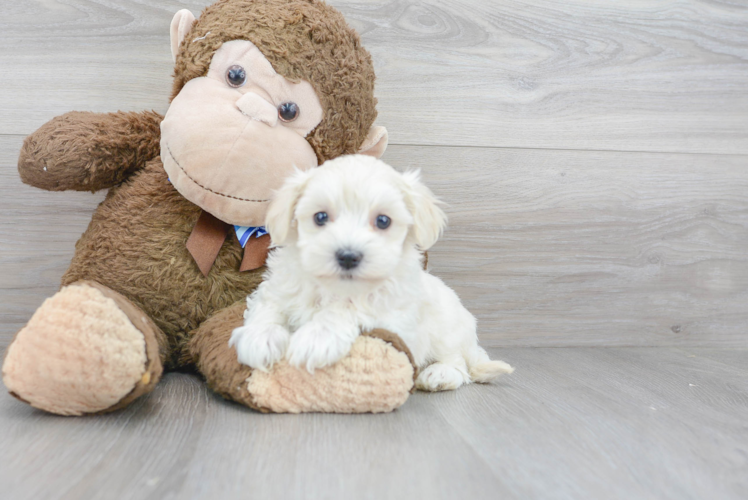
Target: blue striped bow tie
{"type": "Point", "coordinates": [244, 233]}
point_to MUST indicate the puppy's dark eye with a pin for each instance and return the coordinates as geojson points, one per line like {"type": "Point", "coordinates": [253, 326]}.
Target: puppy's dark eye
{"type": "Point", "coordinates": [383, 222]}
{"type": "Point", "coordinates": [320, 218]}
{"type": "Point", "coordinates": [288, 111]}
{"type": "Point", "coordinates": [236, 76]}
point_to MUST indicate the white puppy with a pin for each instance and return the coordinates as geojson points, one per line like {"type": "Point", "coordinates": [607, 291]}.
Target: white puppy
{"type": "Point", "coordinates": [350, 236]}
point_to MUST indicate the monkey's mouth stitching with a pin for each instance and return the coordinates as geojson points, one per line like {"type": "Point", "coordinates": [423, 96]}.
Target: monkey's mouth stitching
{"type": "Point", "coordinates": [207, 188]}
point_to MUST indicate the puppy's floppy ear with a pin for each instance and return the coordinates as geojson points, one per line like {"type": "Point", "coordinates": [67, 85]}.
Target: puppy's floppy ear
{"type": "Point", "coordinates": [428, 219]}
{"type": "Point", "coordinates": [280, 216]}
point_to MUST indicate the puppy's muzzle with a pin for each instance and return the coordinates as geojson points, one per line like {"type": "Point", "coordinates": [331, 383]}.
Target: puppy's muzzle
{"type": "Point", "coordinates": [348, 259]}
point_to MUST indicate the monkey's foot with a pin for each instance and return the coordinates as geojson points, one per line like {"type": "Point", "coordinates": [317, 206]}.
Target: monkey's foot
{"type": "Point", "coordinates": [87, 349]}
{"type": "Point", "coordinates": [376, 376]}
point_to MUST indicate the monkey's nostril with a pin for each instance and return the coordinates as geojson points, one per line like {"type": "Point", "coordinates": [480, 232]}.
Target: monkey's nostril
{"type": "Point", "coordinates": [348, 259]}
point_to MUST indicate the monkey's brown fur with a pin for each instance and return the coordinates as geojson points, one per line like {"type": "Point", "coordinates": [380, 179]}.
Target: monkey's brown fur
{"type": "Point", "coordinates": [89, 151]}
{"type": "Point", "coordinates": [135, 243]}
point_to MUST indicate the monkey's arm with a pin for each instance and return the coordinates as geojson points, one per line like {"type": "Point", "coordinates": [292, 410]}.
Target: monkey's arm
{"type": "Point", "coordinates": [89, 151]}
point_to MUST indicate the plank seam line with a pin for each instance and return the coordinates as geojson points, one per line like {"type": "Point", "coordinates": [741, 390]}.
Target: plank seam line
{"type": "Point", "coordinates": [622, 346]}
{"type": "Point", "coordinates": [740, 155]}
{"type": "Point", "coordinates": [636, 151]}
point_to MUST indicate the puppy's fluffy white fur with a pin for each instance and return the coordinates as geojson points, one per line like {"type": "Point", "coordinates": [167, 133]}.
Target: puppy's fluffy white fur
{"type": "Point", "coordinates": [310, 308]}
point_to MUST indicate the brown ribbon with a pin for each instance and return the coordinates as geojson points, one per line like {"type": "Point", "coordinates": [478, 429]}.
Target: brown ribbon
{"type": "Point", "coordinates": [207, 238]}
{"type": "Point", "coordinates": [255, 253]}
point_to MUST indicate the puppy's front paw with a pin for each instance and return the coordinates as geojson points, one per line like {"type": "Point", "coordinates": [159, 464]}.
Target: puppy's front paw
{"type": "Point", "coordinates": [260, 346]}
{"type": "Point", "coordinates": [314, 346]}
{"type": "Point", "coordinates": [440, 377]}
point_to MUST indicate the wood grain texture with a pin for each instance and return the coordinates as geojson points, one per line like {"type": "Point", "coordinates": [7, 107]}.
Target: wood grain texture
{"type": "Point", "coordinates": [615, 423]}
{"type": "Point", "coordinates": [544, 247]}
{"type": "Point", "coordinates": [584, 74]}
{"type": "Point", "coordinates": [593, 248]}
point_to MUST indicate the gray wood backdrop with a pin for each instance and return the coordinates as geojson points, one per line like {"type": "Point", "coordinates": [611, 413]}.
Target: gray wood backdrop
{"type": "Point", "coordinates": [594, 155]}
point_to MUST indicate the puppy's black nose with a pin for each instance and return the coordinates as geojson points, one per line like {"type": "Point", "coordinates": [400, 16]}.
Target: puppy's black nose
{"type": "Point", "coordinates": [348, 259]}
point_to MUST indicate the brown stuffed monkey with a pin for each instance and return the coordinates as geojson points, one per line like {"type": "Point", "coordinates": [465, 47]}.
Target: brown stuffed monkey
{"type": "Point", "coordinates": [160, 277]}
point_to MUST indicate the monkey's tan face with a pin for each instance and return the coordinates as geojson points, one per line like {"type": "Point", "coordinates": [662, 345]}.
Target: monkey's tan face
{"type": "Point", "coordinates": [230, 138]}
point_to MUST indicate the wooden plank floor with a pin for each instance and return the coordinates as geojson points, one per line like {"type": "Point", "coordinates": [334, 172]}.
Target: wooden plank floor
{"type": "Point", "coordinates": [594, 159]}
{"type": "Point", "coordinates": [613, 423]}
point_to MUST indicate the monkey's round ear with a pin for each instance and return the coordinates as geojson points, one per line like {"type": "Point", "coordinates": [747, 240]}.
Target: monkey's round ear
{"type": "Point", "coordinates": [181, 24]}
{"type": "Point", "coordinates": [375, 142]}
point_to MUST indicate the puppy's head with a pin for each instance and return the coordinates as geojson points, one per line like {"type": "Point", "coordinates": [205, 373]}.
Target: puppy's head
{"type": "Point", "coordinates": [355, 218]}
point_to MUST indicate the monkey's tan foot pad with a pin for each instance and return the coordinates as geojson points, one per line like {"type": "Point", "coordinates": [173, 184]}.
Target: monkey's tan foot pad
{"type": "Point", "coordinates": [376, 376]}
{"type": "Point", "coordinates": [87, 349]}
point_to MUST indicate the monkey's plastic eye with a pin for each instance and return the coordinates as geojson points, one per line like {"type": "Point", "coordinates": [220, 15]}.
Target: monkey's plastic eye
{"type": "Point", "coordinates": [383, 222]}
{"type": "Point", "coordinates": [236, 76]}
{"type": "Point", "coordinates": [288, 111]}
{"type": "Point", "coordinates": [321, 218]}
